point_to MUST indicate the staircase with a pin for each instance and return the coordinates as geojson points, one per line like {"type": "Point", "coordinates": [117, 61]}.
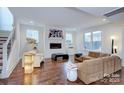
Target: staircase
{"type": "Point", "coordinates": [2, 41]}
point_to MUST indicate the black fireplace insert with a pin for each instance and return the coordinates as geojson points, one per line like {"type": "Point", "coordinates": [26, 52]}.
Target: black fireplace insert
{"type": "Point", "coordinates": [55, 45]}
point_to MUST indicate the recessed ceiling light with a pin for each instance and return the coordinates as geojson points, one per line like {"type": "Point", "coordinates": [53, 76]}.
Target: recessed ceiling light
{"type": "Point", "coordinates": [31, 22]}
{"type": "Point", "coordinates": [104, 19]}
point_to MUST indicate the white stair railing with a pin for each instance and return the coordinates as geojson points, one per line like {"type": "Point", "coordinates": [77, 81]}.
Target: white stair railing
{"type": "Point", "coordinates": [7, 46]}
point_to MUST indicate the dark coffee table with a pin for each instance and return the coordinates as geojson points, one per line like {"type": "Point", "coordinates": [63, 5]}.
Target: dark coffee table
{"type": "Point", "coordinates": [56, 55]}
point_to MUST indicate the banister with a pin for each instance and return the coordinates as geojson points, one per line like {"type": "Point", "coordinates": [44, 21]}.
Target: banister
{"type": "Point", "coordinates": [9, 38]}
{"type": "Point", "coordinates": [5, 51]}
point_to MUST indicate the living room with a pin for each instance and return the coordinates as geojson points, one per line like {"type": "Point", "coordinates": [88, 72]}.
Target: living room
{"type": "Point", "coordinates": [55, 40]}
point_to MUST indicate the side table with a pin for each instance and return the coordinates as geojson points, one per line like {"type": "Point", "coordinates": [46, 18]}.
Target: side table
{"type": "Point", "coordinates": [71, 70]}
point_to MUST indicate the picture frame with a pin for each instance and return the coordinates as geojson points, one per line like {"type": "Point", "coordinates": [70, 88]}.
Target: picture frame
{"type": "Point", "coordinates": [55, 33]}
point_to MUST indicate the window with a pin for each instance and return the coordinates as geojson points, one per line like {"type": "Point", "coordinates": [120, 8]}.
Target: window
{"type": "Point", "coordinates": [69, 38]}
{"type": "Point", "coordinates": [97, 40]}
{"type": "Point", "coordinates": [87, 40]}
{"type": "Point", "coordinates": [92, 40]}
{"type": "Point", "coordinates": [33, 34]}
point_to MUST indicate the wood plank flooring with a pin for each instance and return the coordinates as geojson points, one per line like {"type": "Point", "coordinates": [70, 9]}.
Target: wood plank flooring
{"type": "Point", "coordinates": [51, 73]}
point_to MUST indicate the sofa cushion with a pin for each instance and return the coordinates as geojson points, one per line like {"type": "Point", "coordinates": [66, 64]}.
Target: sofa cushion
{"type": "Point", "coordinates": [94, 54]}
{"type": "Point", "coordinates": [78, 55]}
{"type": "Point", "coordinates": [82, 58]}
{"type": "Point", "coordinates": [95, 69]}
{"type": "Point", "coordinates": [108, 63]}
{"type": "Point", "coordinates": [90, 70]}
{"type": "Point", "coordinates": [79, 59]}
{"type": "Point", "coordinates": [104, 54]}
{"type": "Point", "coordinates": [87, 58]}
{"type": "Point", "coordinates": [117, 64]}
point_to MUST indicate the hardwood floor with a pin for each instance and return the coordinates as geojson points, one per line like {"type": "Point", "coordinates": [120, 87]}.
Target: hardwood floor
{"type": "Point", "coordinates": [52, 73]}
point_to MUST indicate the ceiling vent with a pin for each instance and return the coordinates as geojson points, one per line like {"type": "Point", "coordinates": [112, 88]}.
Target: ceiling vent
{"type": "Point", "coordinates": [120, 10]}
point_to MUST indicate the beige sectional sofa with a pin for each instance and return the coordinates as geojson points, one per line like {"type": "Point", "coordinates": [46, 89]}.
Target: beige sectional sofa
{"type": "Point", "coordinates": [95, 69]}
{"type": "Point", "coordinates": [91, 55]}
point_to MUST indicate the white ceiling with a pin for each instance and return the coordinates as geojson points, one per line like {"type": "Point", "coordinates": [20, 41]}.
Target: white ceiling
{"type": "Point", "coordinates": [98, 11]}
{"type": "Point", "coordinates": [60, 16]}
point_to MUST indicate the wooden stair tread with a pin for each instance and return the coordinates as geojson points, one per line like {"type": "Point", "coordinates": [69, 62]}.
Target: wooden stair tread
{"type": "Point", "coordinates": [2, 41]}
{"type": "Point", "coordinates": [3, 37]}
{"type": "Point", "coordinates": [1, 64]}
{"type": "Point", "coordinates": [0, 70]}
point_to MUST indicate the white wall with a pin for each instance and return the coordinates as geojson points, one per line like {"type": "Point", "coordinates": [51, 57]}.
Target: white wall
{"type": "Point", "coordinates": [44, 45]}
{"type": "Point", "coordinates": [49, 51]}
{"type": "Point", "coordinates": [6, 19]}
{"type": "Point", "coordinates": [23, 42]}
{"type": "Point", "coordinates": [108, 30]}
{"type": "Point", "coordinates": [74, 37]}
{"type": "Point", "coordinates": [123, 46]}
{"type": "Point", "coordinates": [79, 42]}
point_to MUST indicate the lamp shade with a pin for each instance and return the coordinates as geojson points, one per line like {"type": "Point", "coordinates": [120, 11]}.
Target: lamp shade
{"type": "Point", "coordinates": [112, 37]}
